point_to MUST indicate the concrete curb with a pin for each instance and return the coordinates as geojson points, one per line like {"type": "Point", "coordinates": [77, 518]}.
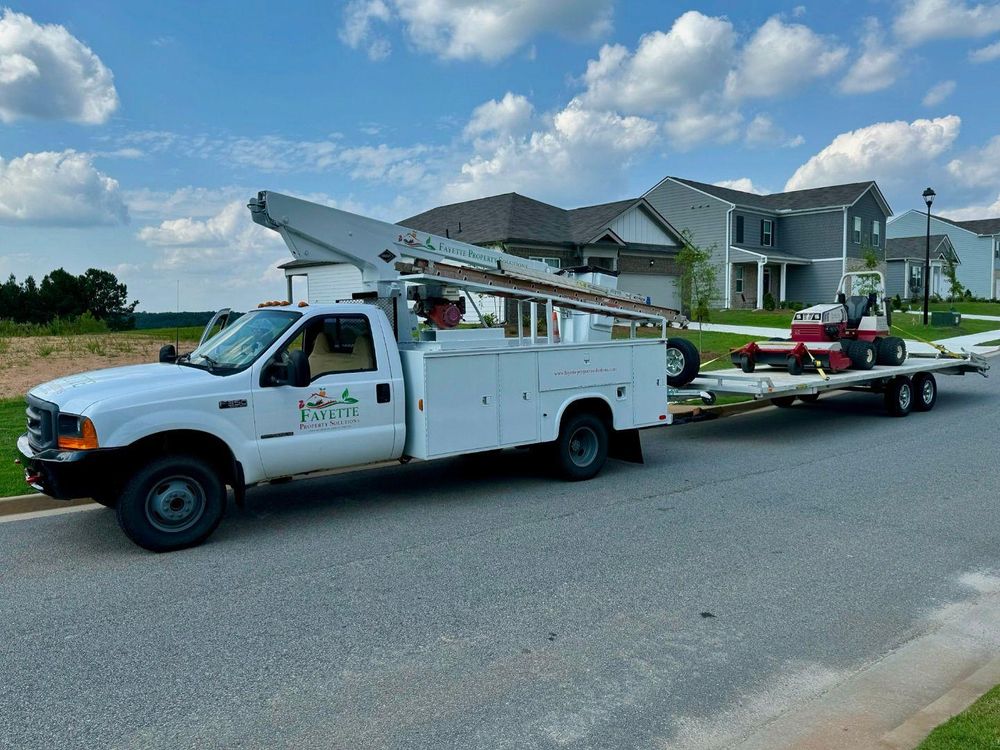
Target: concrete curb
{"type": "Point", "coordinates": [914, 730]}
{"type": "Point", "coordinates": [11, 506]}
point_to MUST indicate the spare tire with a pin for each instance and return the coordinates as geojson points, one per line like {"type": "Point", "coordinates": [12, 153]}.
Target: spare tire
{"type": "Point", "coordinates": [683, 362]}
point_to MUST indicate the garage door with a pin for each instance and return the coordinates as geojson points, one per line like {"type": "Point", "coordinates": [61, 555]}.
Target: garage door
{"type": "Point", "coordinates": [662, 290]}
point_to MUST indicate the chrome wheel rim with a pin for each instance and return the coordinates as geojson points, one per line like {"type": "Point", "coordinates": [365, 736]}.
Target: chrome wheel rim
{"type": "Point", "coordinates": [675, 362]}
{"type": "Point", "coordinates": [175, 504]}
{"type": "Point", "coordinates": [904, 396]}
{"type": "Point", "coordinates": [583, 446]}
{"type": "Point", "coordinates": [927, 391]}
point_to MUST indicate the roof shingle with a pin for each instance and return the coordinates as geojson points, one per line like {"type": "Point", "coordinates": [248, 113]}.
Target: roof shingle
{"type": "Point", "coordinates": [794, 200]}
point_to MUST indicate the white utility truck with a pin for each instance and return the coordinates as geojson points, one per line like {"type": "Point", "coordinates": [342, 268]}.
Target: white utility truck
{"type": "Point", "coordinates": [291, 390]}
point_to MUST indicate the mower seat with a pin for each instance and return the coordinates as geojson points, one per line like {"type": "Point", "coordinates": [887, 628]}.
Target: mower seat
{"type": "Point", "coordinates": [857, 308]}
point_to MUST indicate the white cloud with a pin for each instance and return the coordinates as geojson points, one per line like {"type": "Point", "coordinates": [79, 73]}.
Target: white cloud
{"type": "Point", "coordinates": [190, 201]}
{"type": "Point", "coordinates": [359, 18]}
{"type": "Point", "coordinates": [979, 167]}
{"type": "Point", "coordinates": [938, 93]}
{"type": "Point", "coordinates": [986, 54]}
{"type": "Point", "coordinates": [763, 131]}
{"type": "Point", "coordinates": [510, 116]}
{"type": "Point", "coordinates": [58, 189]}
{"type": "Point", "coordinates": [924, 20]}
{"type": "Point", "coordinates": [780, 58]}
{"type": "Point", "coordinates": [742, 183]}
{"type": "Point", "coordinates": [879, 65]}
{"type": "Point", "coordinates": [969, 213]}
{"type": "Point", "coordinates": [691, 124]}
{"type": "Point", "coordinates": [48, 74]}
{"type": "Point", "coordinates": [884, 151]}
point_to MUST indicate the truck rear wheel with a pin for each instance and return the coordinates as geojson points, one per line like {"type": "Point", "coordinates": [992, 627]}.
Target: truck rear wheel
{"type": "Point", "coordinates": [683, 362]}
{"type": "Point", "coordinates": [924, 391]}
{"type": "Point", "coordinates": [899, 396]}
{"type": "Point", "coordinates": [582, 447]}
{"type": "Point", "coordinates": [172, 503]}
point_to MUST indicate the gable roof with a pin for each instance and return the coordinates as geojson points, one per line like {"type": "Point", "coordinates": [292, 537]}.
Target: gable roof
{"type": "Point", "coordinates": [833, 196]}
{"type": "Point", "coordinates": [903, 248]}
{"type": "Point", "coordinates": [976, 226]}
{"type": "Point", "coordinates": [512, 217]}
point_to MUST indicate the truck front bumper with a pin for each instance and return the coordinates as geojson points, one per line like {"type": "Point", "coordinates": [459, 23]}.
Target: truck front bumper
{"type": "Point", "coordinates": [62, 474]}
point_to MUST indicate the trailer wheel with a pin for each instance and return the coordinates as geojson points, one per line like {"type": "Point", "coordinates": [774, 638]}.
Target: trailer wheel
{"type": "Point", "coordinates": [862, 355]}
{"type": "Point", "coordinates": [746, 363]}
{"type": "Point", "coordinates": [783, 401]}
{"type": "Point", "coordinates": [582, 447]}
{"type": "Point", "coordinates": [794, 365]}
{"type": "Point", "coordinates": [171, 503]}
{"type": "Point", "coordinates": [683, 362]}
{"type": "Point", "coordinates": [899, 396]}
{"type": "Point", "coordinates": [809, 398]}
{"type": "Point", "coordinates": [924, 391]}
{"type": "Point", "coordinates": [891, 351]}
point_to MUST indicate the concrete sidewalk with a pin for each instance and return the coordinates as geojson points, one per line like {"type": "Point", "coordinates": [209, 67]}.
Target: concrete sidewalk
{"type": "Point", "coordinates": [970, 316]}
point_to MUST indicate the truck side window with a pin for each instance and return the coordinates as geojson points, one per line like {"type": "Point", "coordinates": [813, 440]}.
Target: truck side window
{"type": "Point", "coordinates": [339, 343]}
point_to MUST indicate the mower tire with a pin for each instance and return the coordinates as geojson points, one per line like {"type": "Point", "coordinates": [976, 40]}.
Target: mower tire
{"type": "Point", "coordinates": [899, 396]}
{"type": "Point", "coordinates": [746, 363]}
{"type": "Point", "coordinates": [683, 362]}
{"type": "Point", "coordinates": [862, 354]}
{"type": "Point", "coordinates": [891, 351]}
{"type": "Point", "coordinates": [924, 391]}
{"type": "Point", "coordinates": [794, 365]}
{"type": "Point", "coordinates": [783, 401]}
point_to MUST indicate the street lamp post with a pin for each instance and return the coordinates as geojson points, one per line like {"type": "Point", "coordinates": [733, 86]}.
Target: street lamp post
{"type": "Point", "coordinates": [928, 199]}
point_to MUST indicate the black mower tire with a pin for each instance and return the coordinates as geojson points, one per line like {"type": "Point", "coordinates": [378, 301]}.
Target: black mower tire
{"type": "Point", "coordinates": [794, 365]}
{"type": "Point", "coordinates": [171, 503]}
{"type": "Point", "coordinates": [783, 402]}
{"type": "Point", "coordinates": [862, 354]}
{"type": "Point", "coordinates": [747, 364]}
{"type": "Point", "coordinates": [899, 396]}
{"type": "Point", "coordinates": [809, 398]}
{"type": "Point", "coordinates": [683, 362]}
{"type": "Point", "coordinates": [581, 449]}
{"type": "Point", "coordinates": [924, 391]}
{"type": "Point", "coordinates": [891, 351]}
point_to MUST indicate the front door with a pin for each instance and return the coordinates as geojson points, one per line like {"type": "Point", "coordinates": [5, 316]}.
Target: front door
{"type": "Point", "coordinates": [346, 415]}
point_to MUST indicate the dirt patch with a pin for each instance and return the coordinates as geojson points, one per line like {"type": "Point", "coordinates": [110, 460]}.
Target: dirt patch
{"type": "Point", "coordinates": [26, 362]}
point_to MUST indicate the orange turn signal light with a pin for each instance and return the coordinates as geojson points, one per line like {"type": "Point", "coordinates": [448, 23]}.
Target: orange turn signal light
{"type": "Point", "coordinates": [85, 440]}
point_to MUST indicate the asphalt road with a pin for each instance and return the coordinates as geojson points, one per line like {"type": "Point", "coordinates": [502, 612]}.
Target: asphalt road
{"type": "Point", "coordinates": [476, 603]}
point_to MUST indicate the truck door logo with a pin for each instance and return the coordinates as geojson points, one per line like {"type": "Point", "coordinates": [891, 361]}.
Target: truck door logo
{"type": "Point", "coordinates": [323, 412]}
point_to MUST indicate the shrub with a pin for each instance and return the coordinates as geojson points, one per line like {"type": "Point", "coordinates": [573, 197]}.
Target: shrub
{"type": "Point", "coordinates": [795, 306]}
{"type": "Point", "coordinates": [769, 301]}
{"type": "Point", "coordinates": [489, 320]}
{"type": "Point", "coordinates": [897, 303]}
{"type": "Point", "coordinates": [85, 323]}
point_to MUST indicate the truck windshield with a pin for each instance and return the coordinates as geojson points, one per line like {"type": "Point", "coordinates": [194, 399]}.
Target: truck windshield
{"type": "Point", "coordinates": [241, 343]}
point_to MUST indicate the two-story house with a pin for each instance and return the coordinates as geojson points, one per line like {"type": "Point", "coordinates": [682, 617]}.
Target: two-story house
{"type": "Point", "coordinates": [793, 245]}
{"type": "Point", "coordinates": [977, 243]}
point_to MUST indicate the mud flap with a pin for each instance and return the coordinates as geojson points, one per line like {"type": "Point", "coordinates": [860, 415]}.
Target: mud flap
{"type": "Point", "coordinates": [625, 445]}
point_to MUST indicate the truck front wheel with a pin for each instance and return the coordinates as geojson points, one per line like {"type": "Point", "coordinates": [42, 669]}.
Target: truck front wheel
{"type": "Point", "coordinates": [171, 503]}
{"type": "Point", "coordinates": [582, 447]}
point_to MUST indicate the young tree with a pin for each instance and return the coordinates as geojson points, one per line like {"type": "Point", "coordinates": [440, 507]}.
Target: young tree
{"type": "Point", "coordinates": [698, 279]}
{"type": "Point", "coordinates": [955, 288]}
{"type": "Point", "coordinates": [107, 299]}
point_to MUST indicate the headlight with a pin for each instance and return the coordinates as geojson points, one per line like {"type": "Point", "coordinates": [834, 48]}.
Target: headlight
{"type": "Point", "coordinates": [76, 433]}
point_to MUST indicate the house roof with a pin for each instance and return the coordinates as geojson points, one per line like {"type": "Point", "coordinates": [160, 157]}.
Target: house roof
{"type": "Point", "coordinates": [512, 217]}
{"type": "Point", "coordinates": [794, 200]}
{"type": "Point", "coordinates": [905, 248]}
{"type": "Point", "coordinates": [746, 254]}
{"type": "Point", "coordinates": [978, 226]}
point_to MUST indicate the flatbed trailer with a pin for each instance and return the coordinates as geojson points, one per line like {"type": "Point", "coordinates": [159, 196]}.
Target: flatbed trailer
{"type": "Point", "coordinates": [906, 387]}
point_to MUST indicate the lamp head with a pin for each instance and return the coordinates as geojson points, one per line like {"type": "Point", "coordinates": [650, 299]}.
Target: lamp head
{"type": "Point", "coordinates": [929, 197]}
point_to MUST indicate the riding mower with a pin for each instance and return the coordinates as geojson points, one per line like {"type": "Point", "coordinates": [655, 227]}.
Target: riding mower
{"type": "Point", "coordinates": [852, 332]}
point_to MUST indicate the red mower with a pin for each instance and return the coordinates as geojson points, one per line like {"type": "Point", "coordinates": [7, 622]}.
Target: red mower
{"type": "Point", "coordinates": [853, 332]}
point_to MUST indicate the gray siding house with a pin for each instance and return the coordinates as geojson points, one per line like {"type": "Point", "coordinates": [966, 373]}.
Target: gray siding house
{"type": "Point", "coordinates": [793, 245]}
{"type": "Point", "coordinates": [904, 260]}
{"type": "Point", "coordinates": [976, 242]}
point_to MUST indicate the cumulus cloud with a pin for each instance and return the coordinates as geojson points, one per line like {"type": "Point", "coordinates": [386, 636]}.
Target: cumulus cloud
{"type": "Point", "coordinates": [975, 211]}
{"type": "Point", "coordinates": [507, 117]}
{"type": "Point", "coordinates": [781, 57]}
{"type": "Point", "coordinates": [938, 93]}
{"type": "Point", "coordinates": [763, 131]}
{"type": "Point", "coordinates": [877, 67]}
{"type": "Point", "coordinates": [979, 167]}
{"type": "Point", "coordinates": [488, 30]}
{"type": "Point", "coordinates": [986, 54]}
{"type": "Point", "coordinates": [691, 124]}
{"type": "Point", "coordinates": [48, 74]}
{"type": "Point", "coordinates": [883, 151]}
{"type": "Point", "coordinates": [744, 184]}
{"type": "Point", "coordinates": [924, 20]}
{"type": "Point", "coordinates": [58, 188]}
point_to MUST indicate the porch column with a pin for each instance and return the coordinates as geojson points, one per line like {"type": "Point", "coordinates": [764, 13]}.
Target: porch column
{"type": "Point", "coordinates": [288, 288]}
{"type": "Point", "coordinates": [760, 284]}
{"type": "Point", "coordinates": [784, 272]}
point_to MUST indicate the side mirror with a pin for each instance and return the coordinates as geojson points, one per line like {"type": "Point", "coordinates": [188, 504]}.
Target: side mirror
{"type": "Point", "coordinates": [168, 353]}
{"type": "Point", "coordinates": [298, 369]}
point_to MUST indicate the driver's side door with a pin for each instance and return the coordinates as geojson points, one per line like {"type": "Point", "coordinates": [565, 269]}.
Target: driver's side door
{"type": "Point", "coordinates": [345, 416]}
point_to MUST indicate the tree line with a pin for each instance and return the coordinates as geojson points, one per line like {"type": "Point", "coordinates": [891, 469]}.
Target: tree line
{"type": "Point", "coordinates": [62, 295]}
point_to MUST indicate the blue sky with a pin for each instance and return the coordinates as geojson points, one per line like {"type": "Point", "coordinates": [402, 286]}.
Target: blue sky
{"type": "Point", "coordinates": [131, 134]}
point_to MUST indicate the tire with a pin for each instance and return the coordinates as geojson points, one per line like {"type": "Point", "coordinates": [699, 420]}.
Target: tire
{"type": "Point", "coordinates": [794, 365]}
{"type": "Point", "coordinates": [899, 396]}
{"type": "Point", "coordinates": [924, 391]}
{"type": "Point", "coordinates": [809, 398]}
{"type": "Point", "coordinates": [746, 363]}
{"type": "Point", "coordinates": [862, 355]}
{"type": "Point", "coordinates": [582, 447]}
{"type": "Point", "coordinates": [892, 351]}
{"type": "Point", "coordinates": [172, 503]}
{"type": "Point", "coordinates": [783, 401]}
{"type": "Point", "coordinates": [683, 362]}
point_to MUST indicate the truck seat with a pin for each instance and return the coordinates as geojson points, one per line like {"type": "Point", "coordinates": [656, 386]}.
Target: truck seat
{"type": "Point", "coordinates": [324, 359]}
{"type": "Point", "coordinates": [857, 308]}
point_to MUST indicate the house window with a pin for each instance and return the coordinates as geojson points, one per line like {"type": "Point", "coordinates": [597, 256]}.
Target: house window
{"type": "Point", "coordinates": [916, 279]}
{"type": "Point", "coordinates": [857, 230]}
{"type": "Point", "coordinates": [766, 232]}
{"type": "Point", "coordinates": [739, 229]}
{"type": "Point", "coordinates": [552, 262]}
{"type": "Point", "coordinates": [876, 234]}
{"type": "Point", "coordinates": [996, 249]}
{"type": "Point", "coordinates": [739, 279]}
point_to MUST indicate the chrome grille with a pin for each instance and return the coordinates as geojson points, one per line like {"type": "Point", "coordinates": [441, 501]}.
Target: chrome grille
{"type": "Point", "coordinates": [41, 418]}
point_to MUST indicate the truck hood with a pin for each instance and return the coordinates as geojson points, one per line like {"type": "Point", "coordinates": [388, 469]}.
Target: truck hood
{"type": "Point", "coordinates": [75, 393]}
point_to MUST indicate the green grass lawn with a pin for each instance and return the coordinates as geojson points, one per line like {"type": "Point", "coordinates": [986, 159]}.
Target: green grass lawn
{"type": "Point", "coordinates": [11, 426]}
{"type": "Point", "coordinates": [972, 308]}
{"type": "Point", "coordinates": [976, 728]}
